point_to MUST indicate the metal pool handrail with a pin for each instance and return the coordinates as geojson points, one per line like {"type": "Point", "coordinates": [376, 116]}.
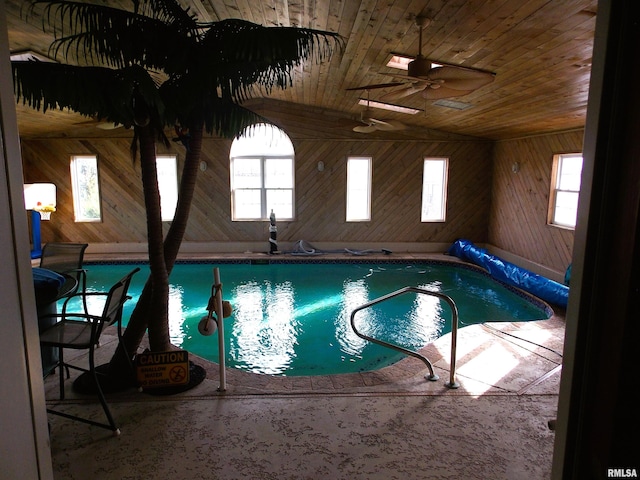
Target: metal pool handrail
{"type": "Point", "coordinates": [454, 331]}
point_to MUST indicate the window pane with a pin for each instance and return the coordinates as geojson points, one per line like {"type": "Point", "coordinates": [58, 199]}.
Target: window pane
{"type": "Point", "coordinates": [168, 185]}
{"type": "Point", "coordinates": [247, 173]}
{"type": "Point", "coordinates": [358, 189]}
{"type": "Point", "coordinates": [570, 171]}
{"type": "Point", "coordinates": [281, 202]}
{"type": "Point", "coordinates": [565, 191]}
{"type": "Point", "coordinates": [434, 181]}
{"type": "Point", "coordinates": [86, 189]}
{"type": "Point", "coordinates": [261, 139]}
{"type": "Point", "coordinates": [566, 208]}
{"type": "Point", "coordinates": [278, 173]}
{"type": "Point", "coordinates": [262, 160]}
{"type": "Point", "coordinates": [247, 204]}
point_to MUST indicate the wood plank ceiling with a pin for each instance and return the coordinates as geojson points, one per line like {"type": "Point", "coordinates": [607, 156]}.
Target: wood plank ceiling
{"type": "Point", "coordinates": [539, 50]}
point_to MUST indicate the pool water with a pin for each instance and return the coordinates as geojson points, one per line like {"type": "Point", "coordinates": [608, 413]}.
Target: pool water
{"type": "Point", "coordinates": [294, 319]}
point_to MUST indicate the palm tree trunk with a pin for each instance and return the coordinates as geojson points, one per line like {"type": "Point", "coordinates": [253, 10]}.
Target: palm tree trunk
{"type": "Point", "coordinates": [152, 309]}
{"type": "Point", "coordinates": [139, 320]}
{"type": "Point", "coordinates": [187, 187]}
{"type": "Point", "coordinates": [158, 315]}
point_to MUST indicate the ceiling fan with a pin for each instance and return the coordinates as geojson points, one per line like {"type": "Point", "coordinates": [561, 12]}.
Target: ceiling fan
{"type": "Point", "coordinates": [371, 124]}
{"type": "Point", "coordinates": [434, 82]}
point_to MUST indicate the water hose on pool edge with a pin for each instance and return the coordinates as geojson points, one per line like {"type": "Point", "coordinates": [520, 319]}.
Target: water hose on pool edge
{"type": "Point", "coordinates": [302, 247]}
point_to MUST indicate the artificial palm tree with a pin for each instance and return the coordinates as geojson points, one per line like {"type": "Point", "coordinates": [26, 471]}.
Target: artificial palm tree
{"type": "Point", "coordinates": [152, 68]}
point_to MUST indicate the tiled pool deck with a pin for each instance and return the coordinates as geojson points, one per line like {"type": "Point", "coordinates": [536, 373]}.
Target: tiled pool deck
{"type": "Point", "coordinates": [508, 374]}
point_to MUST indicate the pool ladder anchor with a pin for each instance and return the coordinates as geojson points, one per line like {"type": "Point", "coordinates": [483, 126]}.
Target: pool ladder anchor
{"type": "Point", "coordinates": [454, 332]}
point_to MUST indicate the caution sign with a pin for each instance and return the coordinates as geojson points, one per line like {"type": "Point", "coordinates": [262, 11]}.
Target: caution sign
{"type": "Point", "coordinates": [162, 369]}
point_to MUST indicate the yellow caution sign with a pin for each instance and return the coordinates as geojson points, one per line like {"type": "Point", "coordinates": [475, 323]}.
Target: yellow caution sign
{"type": "Point", "coordinates": [162, 369]}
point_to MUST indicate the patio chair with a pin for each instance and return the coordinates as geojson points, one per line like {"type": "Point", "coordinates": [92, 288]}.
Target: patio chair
{"type": "Point", "coordinates": [66, 258]}
{"type": "Point", "coordinates": [81, 331]}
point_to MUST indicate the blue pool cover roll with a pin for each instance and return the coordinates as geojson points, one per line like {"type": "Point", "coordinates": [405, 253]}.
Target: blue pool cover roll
{"type": "Point", "coordinates": [544, 288]}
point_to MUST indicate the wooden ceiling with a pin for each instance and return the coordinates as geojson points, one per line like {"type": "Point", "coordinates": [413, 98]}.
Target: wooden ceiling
{"type": "Point", "coordinates": [539, 50]}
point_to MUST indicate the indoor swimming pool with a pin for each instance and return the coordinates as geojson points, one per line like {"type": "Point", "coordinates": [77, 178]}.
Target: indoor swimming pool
{"type": "Point", "coordinates": [293, 318]}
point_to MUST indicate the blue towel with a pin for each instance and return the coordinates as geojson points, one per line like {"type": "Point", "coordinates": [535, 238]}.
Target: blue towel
{"type": "Point", "coordinates": [43, 278]}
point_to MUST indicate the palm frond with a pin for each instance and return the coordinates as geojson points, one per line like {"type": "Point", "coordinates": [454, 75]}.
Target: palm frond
{"type": "Point", "coordinates": [238, 54]}
{"type": "Point", "coordinates": [169, 11]}
{"type": "Point", "coordinates": [209, 66]}
{"type": "Point", "coordinates": [97, 92]}
{"type": "Point", "coordinates": [228, 119]}
{"type": "Point", "coordinates": [105, 35]}
{"type": "Point", "coordinates": [236, 40]}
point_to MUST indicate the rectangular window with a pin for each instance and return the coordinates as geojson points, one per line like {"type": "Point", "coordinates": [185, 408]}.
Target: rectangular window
{"type": "Point", "coordinates": [565, 190]}
{"type": "Point", "coordinates": [358, 189]}
{"type": "Point", "coordinates": [86, 188]}
{"type": "Point", "coordinates": [434, 189]}
{"type": "Point", "coordinates": [167, 168]}
{"type": "Point", "coordinates": [262, 184]}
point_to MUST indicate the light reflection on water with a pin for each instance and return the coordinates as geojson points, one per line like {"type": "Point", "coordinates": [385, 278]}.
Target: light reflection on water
{"type": "Point", "coordinates": [263, 334]}
{"type": "Point", "coordinates": [293, 319]}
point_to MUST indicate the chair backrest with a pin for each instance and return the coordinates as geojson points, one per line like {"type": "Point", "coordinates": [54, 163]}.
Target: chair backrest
{"type": "Point", "coordinates": [116, 298]}
{"type": "Point", "coordinates": [63, 257]}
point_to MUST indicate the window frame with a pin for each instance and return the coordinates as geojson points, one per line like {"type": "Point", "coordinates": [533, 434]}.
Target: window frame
{"type": "Point", "coordinates": [162, 185]}
{"type": "Point", "coordinates": [350, 192]}
{"type": "Point", "coordinates": [444, 185]}
{"type": "Point", "coordinates": [265, 207]}
{"type": "Point", "coordinates": [555, 189]}
{"type": "Point", "coordinates": [78, 209]}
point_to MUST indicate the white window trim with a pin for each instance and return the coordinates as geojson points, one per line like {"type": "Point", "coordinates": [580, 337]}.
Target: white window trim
{"type": "Point", "coordinates": [349, 216]}
{"type": "Point", "coordinates": [76, 190]}
{"type": "Point", "coordinates": [445, 183]}
{"type": "Point", "coordinates": [265, 210]}
{"type": "Point", "coordinates": [555, 189]}
{"type": "Point", "coordinates": [168, 199]}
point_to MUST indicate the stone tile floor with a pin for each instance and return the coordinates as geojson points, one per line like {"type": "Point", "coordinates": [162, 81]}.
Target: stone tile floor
{"type": "Point", "coordinates": [392, 423]}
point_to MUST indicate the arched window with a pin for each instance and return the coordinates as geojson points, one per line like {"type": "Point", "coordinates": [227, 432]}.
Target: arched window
{"type": "Point", "coordinates": [262, 174]}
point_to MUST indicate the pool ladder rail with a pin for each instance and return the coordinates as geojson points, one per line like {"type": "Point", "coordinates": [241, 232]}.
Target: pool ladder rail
{"type": "Point", "coordinates": [454, 331]}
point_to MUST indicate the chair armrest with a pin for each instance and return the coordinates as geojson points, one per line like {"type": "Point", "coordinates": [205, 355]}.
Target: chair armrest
{"type": "Point", "coordinates": [71, 315]}
{"type": "Point", "coordinates": [84, 296]}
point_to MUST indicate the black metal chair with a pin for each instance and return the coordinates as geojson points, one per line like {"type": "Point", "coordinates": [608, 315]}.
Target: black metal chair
{"type": "Point", "coordinates": [66, 258]}
{"type": "Point", "coordinates": [81, 331]}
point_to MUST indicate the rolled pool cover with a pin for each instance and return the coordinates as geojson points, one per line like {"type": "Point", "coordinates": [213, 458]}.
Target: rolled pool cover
{"type": "Point", "coordinates": [544, 288]}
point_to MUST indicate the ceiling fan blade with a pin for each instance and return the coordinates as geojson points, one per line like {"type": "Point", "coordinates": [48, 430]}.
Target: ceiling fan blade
{"type": "Point", "coordinates": [108, 125]}
{"type": "Point", "coordinates": [375, 121]}
{"type": "Point", "coordinates": [397, 125]}
{"type": "Point", "coordinates": [442, 92]}
{"type": "Point", "coordinates": [405, 92]}
{"type": "Point", "coordinates": [386, 125]}
{"type": "Point", "coordinates": [376, 86]}
{"type": "Point", "coordinates": [365, 128]}
{"type": "Point", "coordinates": [391, 125]}
{"type": "Point", "coordinates": [460, 78]}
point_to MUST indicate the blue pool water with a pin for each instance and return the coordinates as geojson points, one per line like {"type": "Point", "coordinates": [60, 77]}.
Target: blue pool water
{"type": "Point", "coordinates": [294, 319]}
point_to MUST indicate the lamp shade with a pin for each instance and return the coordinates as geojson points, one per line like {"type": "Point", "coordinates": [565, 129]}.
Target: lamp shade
{"type": "Point", "coordinates": [40, 196]}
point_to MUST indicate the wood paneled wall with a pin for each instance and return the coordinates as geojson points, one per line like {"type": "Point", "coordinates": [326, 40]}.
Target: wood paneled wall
{"type": "Point", "coordinates": [487, 201]}
{"type": "Point", "coordinates": [320, 196]}
{"type": "Point", "coordinates": [520, 200]}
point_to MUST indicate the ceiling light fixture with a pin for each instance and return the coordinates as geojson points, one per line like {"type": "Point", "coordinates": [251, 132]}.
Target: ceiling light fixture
{"type": "Point", "coordinates": [388, 106]}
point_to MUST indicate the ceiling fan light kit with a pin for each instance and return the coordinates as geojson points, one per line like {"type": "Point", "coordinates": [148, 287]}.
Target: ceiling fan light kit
{"type": "Point", "coordinates": [419, 67]}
